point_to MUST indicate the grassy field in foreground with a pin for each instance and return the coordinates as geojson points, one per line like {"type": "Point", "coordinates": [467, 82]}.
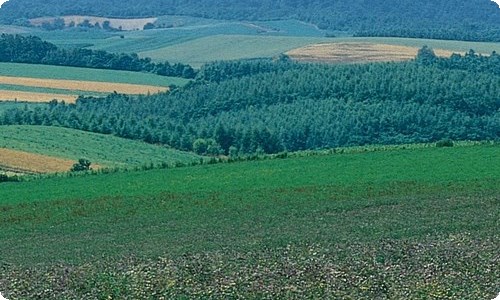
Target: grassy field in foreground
{"type": "Point", "coordinates": [405, 224]}
{"type": "Point", "coordinates": [104, 150]}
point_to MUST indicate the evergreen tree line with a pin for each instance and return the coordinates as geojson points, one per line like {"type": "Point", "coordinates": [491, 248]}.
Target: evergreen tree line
{"type": "Point", "coordinates": [476, 20]}
{"type": "Point", "coordinates": [272, 106]}
{"type": "Point", "coordinates": [33, 50]}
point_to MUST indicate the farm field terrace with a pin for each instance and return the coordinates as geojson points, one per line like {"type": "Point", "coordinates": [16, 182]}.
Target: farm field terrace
{"type": "Point", "coordinates": [395, 224]}
{"type": "Point", "coordinates": [42, 83]}
{"type": "Point", "coordinates": [70, 145]}
{"type": "Point", "coordinates": [187, 39]}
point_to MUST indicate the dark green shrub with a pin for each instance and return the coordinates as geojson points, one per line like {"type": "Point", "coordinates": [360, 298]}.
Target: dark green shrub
{"type": "Point", "coordinates": [444, 143]}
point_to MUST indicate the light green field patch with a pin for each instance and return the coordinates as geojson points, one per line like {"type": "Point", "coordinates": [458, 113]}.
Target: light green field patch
{"type": "Point", "coordinates": [228, 47]}
{"type": "Point", "coordinates": [105, 150]}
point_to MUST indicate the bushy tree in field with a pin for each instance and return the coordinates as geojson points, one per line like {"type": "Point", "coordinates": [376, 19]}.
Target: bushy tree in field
{"type": "Point", "coordinates": [82, 165]}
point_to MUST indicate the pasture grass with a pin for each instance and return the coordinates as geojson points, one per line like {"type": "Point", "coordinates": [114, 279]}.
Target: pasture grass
{"type": "Point", "coordinates": [395, 224]}
{"type": "Point", "coordinates": [104, 150]}
{"type": "Point", "coordinates": [228, 47]}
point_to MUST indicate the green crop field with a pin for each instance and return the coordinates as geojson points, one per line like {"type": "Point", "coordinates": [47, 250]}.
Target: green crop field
{"type": "Point", "coordinates": [86, 74]}
{"type": "Point", "coordinates": [398, 224]}
{"type": "Point", "coordinates": [105, 150]}
{"type": "Point", "coordinates": [228, 47]}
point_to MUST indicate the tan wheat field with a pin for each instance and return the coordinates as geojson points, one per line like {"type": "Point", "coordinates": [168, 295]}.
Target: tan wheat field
{"type": "Point", "coordinates": [351, 52]}
{"type": "Point", "coordinates": [35, 97]}
{"type": "Point", "coordinates": [24, 162]}
{"type": "Point", "coordinates": [87, 86]}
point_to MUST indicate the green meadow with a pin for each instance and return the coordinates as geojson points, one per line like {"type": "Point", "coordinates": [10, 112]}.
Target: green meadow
{"type": "Point", "coordinates": [393, 224]}
{"type": "Point", "coordinates": [105, 150]}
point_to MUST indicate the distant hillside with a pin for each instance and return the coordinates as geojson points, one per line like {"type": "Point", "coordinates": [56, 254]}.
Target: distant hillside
{"type": "Point", "coordinates": [441, 19]}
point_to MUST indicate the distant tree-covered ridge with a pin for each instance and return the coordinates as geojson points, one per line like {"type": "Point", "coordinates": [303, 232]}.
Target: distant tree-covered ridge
{"type": "Point", "coordinates": [475, 20]}
{"type": "Point", "coordinates": [31, 49]}
{"type": "Point", "coordinates": [271, 106]}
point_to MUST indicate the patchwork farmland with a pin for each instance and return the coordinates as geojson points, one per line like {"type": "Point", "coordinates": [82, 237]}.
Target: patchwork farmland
{"type": "Point", "coordinates": [72, 86]}
{"type": "Point", "coordinates": [352, 52]}
{"type": "Point", "coordinates": [17, 82]}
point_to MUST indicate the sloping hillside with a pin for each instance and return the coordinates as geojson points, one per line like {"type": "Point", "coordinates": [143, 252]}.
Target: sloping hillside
{"type": "Point", "coordinates": [443, 19]}
{"type": "Point", "coordinates": [398, 224]}
{"type": "Point", "coordinates": [68, 144]}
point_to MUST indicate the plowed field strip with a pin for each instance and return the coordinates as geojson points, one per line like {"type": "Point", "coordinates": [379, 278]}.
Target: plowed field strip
{"type": "Point", "coordinates": [24, 162]}
{"type": "Point", "coordinates": [76, 85]}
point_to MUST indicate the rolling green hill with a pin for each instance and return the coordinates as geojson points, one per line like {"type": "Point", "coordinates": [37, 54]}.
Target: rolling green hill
{"type": "Point", "coordinates": [393, 224]}
{"type": "Point", "coordinates": [105, 150]}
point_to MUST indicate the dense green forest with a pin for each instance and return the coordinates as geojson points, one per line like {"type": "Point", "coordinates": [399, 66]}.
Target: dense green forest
{"type": "Point", "coordinates": [444, 19]}
{"type": "Point", "coordinates": [33, 50]}
{"type": "Point", "coordinates": [271, 106]}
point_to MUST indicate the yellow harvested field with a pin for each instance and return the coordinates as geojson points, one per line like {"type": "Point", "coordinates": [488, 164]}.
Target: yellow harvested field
{"type": "Point", "coordinates": [351, 52]}
{"type": "Point", "coordinates": [24, 162]}
{"type": "Point", "coordinates": [123, 24]}
{"type": "Point", "coordinates": [71, 85]}
{"type": "Point", "coordinates": [35, 97]}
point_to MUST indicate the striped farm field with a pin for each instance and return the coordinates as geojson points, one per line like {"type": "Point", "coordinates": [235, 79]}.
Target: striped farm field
{"type": "Point", "coordinates": [341, 52]}
{"type": "Point", "coordinates": [84, 86]}
{"type": "Point", "coordinates": [26, 82]}
{"type": "Point", "coordinates": [87, 74]}
{"type": "Point", "coordinates": [25, 162]}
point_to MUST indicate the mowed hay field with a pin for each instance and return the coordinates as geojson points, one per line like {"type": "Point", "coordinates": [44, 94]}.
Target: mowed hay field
{"type": "Point", "coordinates": [25, 162]}
{"type": "Point", "coordinates": [352, 52]}
{"type": "Point", "coordinates": [123, 24]}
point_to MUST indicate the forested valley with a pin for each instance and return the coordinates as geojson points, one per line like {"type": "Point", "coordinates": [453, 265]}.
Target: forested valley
{"type": "Point", "coordinates": [475, 20]}
{"type": "Point", "coordinates": [33, 50]}
{"type": "Point", "coordinates": [250, 106]}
